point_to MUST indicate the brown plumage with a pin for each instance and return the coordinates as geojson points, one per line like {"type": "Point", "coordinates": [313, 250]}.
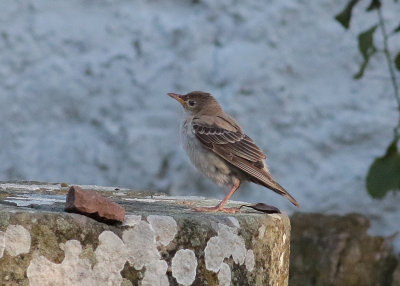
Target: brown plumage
{"type": "Point", "coordinates": [220, 149]}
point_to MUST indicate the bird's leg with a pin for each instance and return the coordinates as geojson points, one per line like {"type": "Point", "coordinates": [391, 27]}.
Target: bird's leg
{"type": "Point", "coordinates": [220, 206]}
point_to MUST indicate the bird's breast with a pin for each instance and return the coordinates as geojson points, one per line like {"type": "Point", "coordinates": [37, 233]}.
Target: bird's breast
{"type": "Point", "coordinates": [206, 161]}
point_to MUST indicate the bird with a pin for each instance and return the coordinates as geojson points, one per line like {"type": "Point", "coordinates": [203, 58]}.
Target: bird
{"type": "Point", "coordinates": [218, 147]}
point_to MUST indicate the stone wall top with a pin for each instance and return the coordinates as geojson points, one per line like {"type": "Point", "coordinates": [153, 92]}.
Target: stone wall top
{"type": "Point", "coordinates": [161, 242]}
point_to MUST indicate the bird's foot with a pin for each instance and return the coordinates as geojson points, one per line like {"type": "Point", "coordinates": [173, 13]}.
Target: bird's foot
{"type": "Point", "coordinates": [216, 209]}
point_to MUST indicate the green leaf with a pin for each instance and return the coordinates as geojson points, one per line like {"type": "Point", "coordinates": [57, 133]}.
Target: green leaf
{"type": "Point", "coordinates": [396, 30]}
{"type": "Point", "coordinates": [344, 17]}
{"type": "Point", "coordinates": [375, 4]}
{"type": "Point", "coordinates": [366, 42]}
{"type": "Point", "coordinates": [384, 173]}
{"type": "Point", "coordinates": [360, 73]}
{"type": "Point", "coordinates": [397, 61]}
{"type": "Point", "coordinates": [367, 48]}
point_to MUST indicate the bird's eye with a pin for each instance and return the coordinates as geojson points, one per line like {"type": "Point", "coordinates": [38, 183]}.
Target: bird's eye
{"type": "Point", "coordinates": [191, 102]}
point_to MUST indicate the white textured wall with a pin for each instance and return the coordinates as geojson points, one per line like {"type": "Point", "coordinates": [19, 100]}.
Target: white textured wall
{"type": "Point", "coordinates": [83, 95]}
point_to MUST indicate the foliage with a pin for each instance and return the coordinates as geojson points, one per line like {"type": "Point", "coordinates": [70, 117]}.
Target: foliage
{"type": "Point", "coordinates": [384, 173]}
{"type": "Point", "coordinates": [367, 48]}
{"type": "Point", "coordinates": [344, 17]}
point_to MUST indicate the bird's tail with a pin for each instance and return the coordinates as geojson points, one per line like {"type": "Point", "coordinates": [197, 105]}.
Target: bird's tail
{"type": "Point", "coordinates": [271, 184]}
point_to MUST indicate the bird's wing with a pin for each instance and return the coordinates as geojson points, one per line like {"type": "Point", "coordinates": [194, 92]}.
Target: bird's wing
{"type": "Point", "coordinates": [223, 136]}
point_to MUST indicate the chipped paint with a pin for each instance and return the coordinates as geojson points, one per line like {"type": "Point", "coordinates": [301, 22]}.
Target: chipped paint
{"type": "Point", "coordinates": [226, 244]}
{"type": "Point", "coordinates": [72, 270]}
{"type": "Point", "coordinates": [281, 261]}
{"type": "Point", "coordinates": [145, 200]}
{"type": "Point", "coordinates": [141, 245]}
{"type": "Point", "coordinates": [103, 188]}
{"type": "Point", "coordinates": [224, 275]}
{"type": "Point", "coordinates": [234, 222]}
{"type": "Point", "coordinates": [184, 265]}
{"type": "Point", "coordinates": [155, 274]}
{"type": "Point", "coordinates": [35, 199]}
{"type": "Point", "coordinates": [34, 186]}
{"type": "Point", "coordinates": [138, 246]}
{"type": "Point", "coordinates": [29, 187]}
{"type": "Point", "coordinates": [2, 243]}
{"type": "Point", "coordinates": [178, 198]}
{"type": "Point", "coordinates": [111, 256]}
{"type": "Point", "coordinates": [276, 216]}
{"type": "Point", "coordinates": [132, 220]}
{"type": "Point", "coordinates": [261, 232]}
{"type": "Point", "coordinates": [165, 228]}
{"type": "Point", "coordinates": [249, 261]}
{"type": "Point", "coordinates": [17, 240]}
{"type": "Point", "coordinates": [119, 194]}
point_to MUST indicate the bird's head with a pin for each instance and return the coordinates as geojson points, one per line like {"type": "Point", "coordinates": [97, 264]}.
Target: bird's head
{"type": "Point", "coordinates": [197, 102]}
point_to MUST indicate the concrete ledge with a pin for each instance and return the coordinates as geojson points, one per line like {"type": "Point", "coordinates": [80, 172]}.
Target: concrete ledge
{"type": "Point", "coordinates": [161, 242]}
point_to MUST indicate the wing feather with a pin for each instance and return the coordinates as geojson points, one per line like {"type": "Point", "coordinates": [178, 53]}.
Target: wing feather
{"type": "Point", "coordinates": [233, 139]}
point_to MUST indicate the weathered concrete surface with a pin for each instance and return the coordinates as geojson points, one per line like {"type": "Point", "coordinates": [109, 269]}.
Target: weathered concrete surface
{"type": "Point", "coordinates": [337, 250]}
{"type": "Point", "coordinates": [161, 242]}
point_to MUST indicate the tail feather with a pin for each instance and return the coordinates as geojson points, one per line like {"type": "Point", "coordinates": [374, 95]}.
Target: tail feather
{"type": "Point", "coordinates": [271, 184]}
{"type": "Point", "coordinates": [285, 193]}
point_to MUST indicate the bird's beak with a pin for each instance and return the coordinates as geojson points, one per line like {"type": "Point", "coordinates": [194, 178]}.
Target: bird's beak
{"type": "Point", "coordinates": [177, 97]}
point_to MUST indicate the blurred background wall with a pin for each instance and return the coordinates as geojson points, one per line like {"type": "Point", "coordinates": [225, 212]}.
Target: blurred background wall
{"type": "Point", "coordinates": [83, 95]}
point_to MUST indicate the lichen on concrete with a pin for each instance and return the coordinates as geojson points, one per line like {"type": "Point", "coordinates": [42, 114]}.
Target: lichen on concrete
{"type": "Point", "coordinates": [165, 228]}
{"type": "Point", "coordinates": [155, 274]}
{"type": "Point", "coordinates": [2, 243]}
{"type": "Point", "coordinates": [249, 260]}
{"type": "Point", "coordinates": [138, 247]}
{"type": "Point", "coordinates": [224, 275]}
{"type": "Point", "coordinates": [227, 243]}
{"type": "Point", "coordinates": [17, 240]}
{"type": "Point", "coordinates": [184, 264]}
{"type": "Point", "coordinates": [132, 220]}
{"type": "Point", "coordinates": [111, 256]}
{"type": "Point", "coordinates": [75, 269]}
{"type": "Point", "coordinates": [141, 245]}
{"type": "Point", "coordinates": [72, 271]}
